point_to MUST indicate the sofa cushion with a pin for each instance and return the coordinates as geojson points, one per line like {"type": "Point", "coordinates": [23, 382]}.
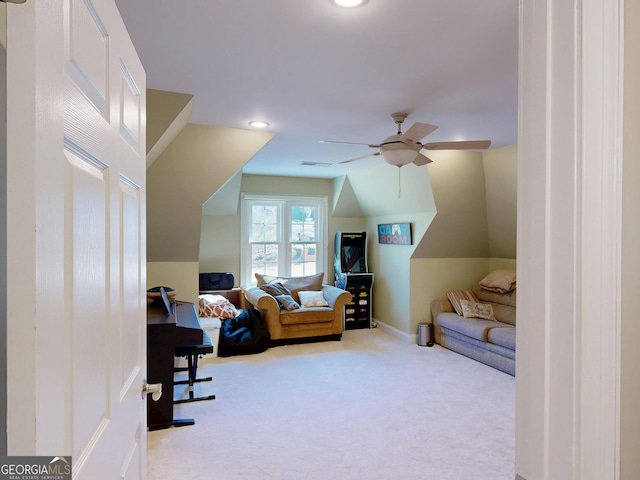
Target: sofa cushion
{"type": "Point", "coordinates": [456, 295]}
{"type": "Point", "coordinates": [504, 313]}
{"type": "Point", "coordinates": [294, 284]}
{"type": "Point", "coordinates": [476, 347]}
{"type": "Point", "coordinates": [471, 327]}
{"type": "Point", "coordinates": [505, 337]}
{"type": "Point", "coordinates": [307, 315]}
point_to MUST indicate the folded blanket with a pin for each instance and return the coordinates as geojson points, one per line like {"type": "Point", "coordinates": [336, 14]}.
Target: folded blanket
{"type": "Point", "coordinates": [500, 281]}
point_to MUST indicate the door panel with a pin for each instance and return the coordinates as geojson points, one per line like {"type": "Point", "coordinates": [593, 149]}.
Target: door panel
{"type": "Point", "coordinates": [106, 231]}
{"type": "Point", "coordinates": [88, 52]}
{"type": "Point", "coordinates": [76, 233]}
{"type": "Point", "coordinates": [87, 228]}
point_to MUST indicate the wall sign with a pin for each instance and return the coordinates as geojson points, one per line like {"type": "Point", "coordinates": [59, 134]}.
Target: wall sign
{"type": "Point", "coordinates": [395, 233]}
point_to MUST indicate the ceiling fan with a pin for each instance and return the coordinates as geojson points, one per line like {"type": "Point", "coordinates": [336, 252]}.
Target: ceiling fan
{"type": "Point", "coordinates": [404, 148]}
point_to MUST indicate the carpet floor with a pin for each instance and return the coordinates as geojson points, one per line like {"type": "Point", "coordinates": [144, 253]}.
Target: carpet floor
{"type": "Point", "coordinates": [367, 407]}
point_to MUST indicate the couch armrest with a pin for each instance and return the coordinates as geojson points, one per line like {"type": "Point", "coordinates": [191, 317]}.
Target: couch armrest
{"type": "Point", "coordinates": [335, 296]}
{"type": "Point", "coordinates": [262, 300]}
{"type": "Point", "coordinates": [440, 305]}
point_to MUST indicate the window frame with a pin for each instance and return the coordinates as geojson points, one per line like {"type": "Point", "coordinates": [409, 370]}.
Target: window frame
{"type": "Point", "coordinates": [284, 242]}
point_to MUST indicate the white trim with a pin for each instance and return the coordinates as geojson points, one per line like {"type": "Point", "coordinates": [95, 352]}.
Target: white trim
{"type": "Point", "coordinates": [394, 332]}
{"type": "Point", "coordinates": [569, 237]}
{"type": "Point", "coordinates": [602, 109]}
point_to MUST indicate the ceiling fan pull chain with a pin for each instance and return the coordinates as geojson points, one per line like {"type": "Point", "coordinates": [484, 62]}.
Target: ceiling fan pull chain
{"type": "Point", "coordinates": [399, 188]}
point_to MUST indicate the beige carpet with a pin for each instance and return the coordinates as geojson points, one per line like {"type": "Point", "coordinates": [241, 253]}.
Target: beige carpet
{"type": "Point", "coordinates": [368, 407]}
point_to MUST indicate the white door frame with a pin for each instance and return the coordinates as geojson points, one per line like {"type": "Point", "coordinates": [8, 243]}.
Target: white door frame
{"type": "Point", "coordinates": [569, 237]}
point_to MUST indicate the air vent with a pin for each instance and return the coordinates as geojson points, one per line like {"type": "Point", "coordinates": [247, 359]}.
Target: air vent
{"type": "Point", "coordinates": [316, 164]}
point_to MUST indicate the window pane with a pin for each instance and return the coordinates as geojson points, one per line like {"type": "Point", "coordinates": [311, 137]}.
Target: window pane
{"type": "Point", "coordinates": [264, 223]}
{"type": "Point", "coordinates": [303, 259]}
{"type": "Point", "coordinates": [303, 224]}
{"type": "Point", "coordinates": [264, 259]}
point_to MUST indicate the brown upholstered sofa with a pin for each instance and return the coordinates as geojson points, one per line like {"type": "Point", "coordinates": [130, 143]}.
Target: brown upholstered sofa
{"type": "Point", "coordinates": [304, 323]}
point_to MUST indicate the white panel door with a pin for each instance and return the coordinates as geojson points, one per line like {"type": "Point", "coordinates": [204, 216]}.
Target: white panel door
{"type": "Point", "coordinates": [86, 158]}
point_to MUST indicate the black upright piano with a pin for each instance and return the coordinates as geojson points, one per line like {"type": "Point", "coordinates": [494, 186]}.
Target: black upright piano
{"type": "Point", "coordinates": [168, 326]}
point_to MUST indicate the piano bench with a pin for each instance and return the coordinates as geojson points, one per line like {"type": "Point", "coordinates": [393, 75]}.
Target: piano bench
{"type": "Point", "coordinates": [193, 352]}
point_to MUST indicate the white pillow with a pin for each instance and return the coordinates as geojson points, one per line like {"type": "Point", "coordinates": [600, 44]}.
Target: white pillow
{"type": "Point", "coordinates": [477, 310]}
{"type": "Point", "coordinates": [312, 299]}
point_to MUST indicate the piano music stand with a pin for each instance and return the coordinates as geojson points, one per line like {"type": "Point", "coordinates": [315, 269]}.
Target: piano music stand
{"type": "Point", "coordinates": [192, 353]}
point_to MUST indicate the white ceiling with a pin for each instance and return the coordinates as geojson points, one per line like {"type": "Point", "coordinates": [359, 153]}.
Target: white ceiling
{"type": "Point", "coordinates": [316, 72]}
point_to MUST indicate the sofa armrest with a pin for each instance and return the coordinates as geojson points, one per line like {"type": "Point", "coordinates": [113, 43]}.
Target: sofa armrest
{"type": "Point", "coordinates": [440, 305]}
{"type": "Point", "coordinates": [335, 296]}
{"type": "Point", "coordinates": [261, 300]}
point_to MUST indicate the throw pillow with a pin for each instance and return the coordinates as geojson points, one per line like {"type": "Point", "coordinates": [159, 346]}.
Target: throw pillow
{"type": "Point", "coordinates": [457, 295]}
{"type": "Point", "coordinates": [274, 289]}
{"type": "Point", "coordinates": [294, 284]}
{"type": "Point", "coordinates": [215, 306]}
{"type": "Point", "coordinates": [287, 302]}
{"type": "Point", "coordinates": [500, 281]}
{"type": "Point", "coordinates": [312, 299]}
{"type": "Point", "coordinates": [477, 310]}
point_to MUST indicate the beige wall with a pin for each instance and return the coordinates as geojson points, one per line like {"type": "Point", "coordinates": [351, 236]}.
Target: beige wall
{"type": "Point", "coordinates": [500, 173]}
{"type": "Point", "coordinates": [391, 265]}
{"type": "Point", "coordinates": [460, 228]}
{"type": "Point", "coordinates": [220, 244]}
{"type": "Point", "coordinates": [181, 276]}
{"type": "Point", "coordinates": [630, 334]}
{"type": "Point", "coordinates": [432, 278]}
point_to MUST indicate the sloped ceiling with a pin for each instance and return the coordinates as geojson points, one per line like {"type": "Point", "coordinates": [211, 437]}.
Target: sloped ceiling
{"type": "Point", "coordinates": [167, 114]}
{"type": "Point", "coordinates": [194, 166]}
{"type": "Point", "coordinates": [459, 229]}
{"type": "Point", "coordinates": [345, 202]}
{"type": "Point", "coordinates": [225, 200]}
{"type": "Point", "coordinates": [377, 189]}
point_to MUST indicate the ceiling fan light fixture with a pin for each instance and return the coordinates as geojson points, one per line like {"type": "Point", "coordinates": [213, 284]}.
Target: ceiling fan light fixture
{"type": "Point", "coordinates": [399, 156]}
{"type": "Point", "coordinates": [348, 3]}
{"type": "Point", "coordinates": [258, 124]}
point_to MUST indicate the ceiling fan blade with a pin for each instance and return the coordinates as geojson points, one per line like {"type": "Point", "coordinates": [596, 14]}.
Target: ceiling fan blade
{"type": "Point", "coordinates": [464, 145]}
{"type": "Point", "coordinates": [359, 158]}
{"type": "Point", "coordinates": [350, 143]}
{"type": "Point", "coordinates": [421, 160]}
{"type": "Point", "coordinates": [417, 131]}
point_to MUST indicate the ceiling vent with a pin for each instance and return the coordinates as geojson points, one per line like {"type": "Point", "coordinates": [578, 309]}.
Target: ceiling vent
{"type": "Point", "coordinates": [315, 164]}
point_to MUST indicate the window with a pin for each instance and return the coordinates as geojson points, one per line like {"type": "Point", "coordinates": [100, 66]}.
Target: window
{"type": "Point", "coordinates": [283, 236]}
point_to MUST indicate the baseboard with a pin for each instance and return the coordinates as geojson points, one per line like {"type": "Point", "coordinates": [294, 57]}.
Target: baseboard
{"type": "Point", "coordinates": [399, 334]}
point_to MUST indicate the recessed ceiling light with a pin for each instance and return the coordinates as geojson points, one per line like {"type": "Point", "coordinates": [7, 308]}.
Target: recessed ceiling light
{"type": "Point", "coordinates": [258, 124]}
{"type": "Point", "coordinates": [348, 3]}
